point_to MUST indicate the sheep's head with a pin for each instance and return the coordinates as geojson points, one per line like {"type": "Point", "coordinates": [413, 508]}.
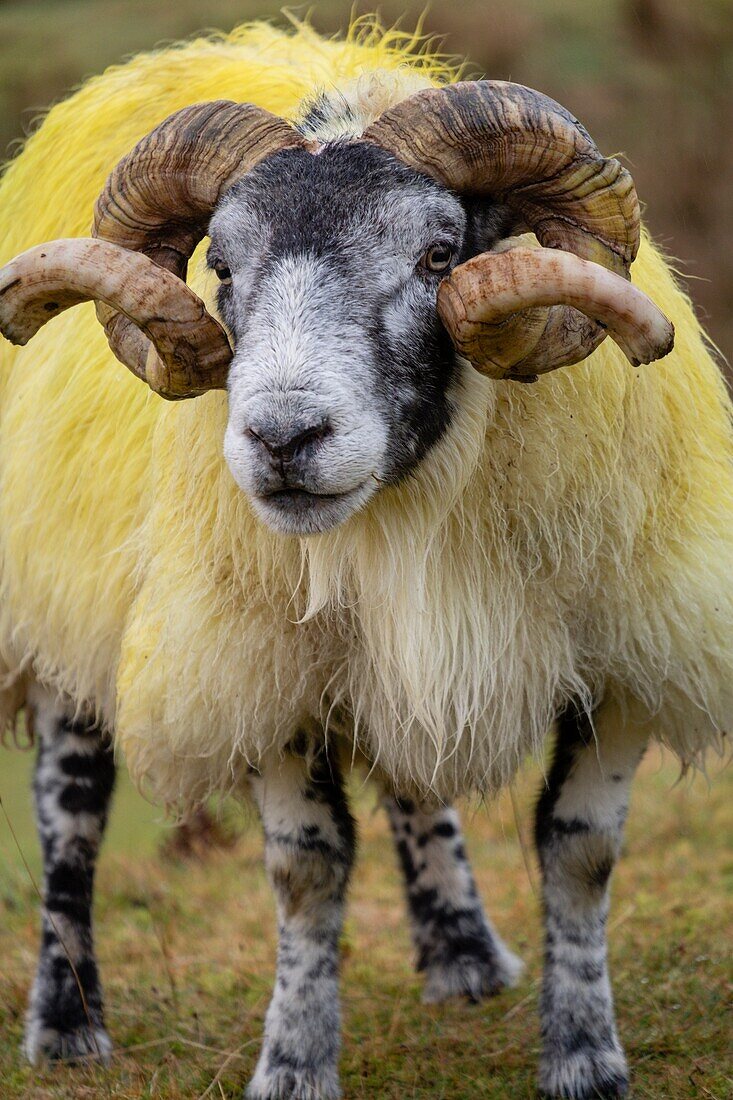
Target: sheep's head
{"type": "Point", "coordinates": [342, 374]}
{"type": "Point", "coordinates": [353, 276]}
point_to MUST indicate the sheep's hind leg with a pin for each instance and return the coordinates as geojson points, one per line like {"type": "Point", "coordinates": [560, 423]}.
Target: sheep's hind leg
{"type": "Point", "coordinates": [73, 782]}
{"type": "Point", "coordinates": [579, 822]}
{"type": "Point", "coordinates": [309, 849]}
{"type": "Point", "coordinates": [457, 946]}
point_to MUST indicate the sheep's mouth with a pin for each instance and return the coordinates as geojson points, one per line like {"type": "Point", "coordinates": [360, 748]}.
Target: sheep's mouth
{"type": "Point", "coordinates": [300, 497]}
{"type": "Point", "coordinates": [299, 511]}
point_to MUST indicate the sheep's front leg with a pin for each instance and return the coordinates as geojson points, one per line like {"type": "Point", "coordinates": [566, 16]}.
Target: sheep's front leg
{"type": "Point", "coordinates": [73, 782]}
{"type": "Point", "coordinates": [579, 823]}
{"type": "Point", "coordinates": [309, 849]}
{"type": "Point", "coordinates": [457, 946]}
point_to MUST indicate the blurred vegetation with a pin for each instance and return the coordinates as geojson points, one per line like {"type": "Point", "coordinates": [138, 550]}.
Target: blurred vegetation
{"type": "Point", "coordinates": [650, 78]}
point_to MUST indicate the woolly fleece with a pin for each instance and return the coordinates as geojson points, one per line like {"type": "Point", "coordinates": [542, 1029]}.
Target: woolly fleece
{"type": "Point", "coordinates": [573, 538]}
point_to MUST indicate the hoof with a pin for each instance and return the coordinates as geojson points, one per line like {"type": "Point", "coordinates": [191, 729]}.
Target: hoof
{"type": "Point", "coordinates": [588, 1075]}
{"type": "Point", "coordinates": [291, 1083]}
{"type": "Point", "coordinates": [48, 1044]}
{"type": "Point", "coordinates": [471, 978]}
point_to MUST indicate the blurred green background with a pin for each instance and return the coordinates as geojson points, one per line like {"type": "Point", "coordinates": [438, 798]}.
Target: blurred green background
{"type": "Point", "coordinates": [650, 78]}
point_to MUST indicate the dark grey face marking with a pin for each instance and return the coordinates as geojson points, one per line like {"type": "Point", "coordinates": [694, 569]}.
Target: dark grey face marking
{"type": "Point", "coordinates": [73, 784]}
{"type": "Point", "coordinates": [343, 376]}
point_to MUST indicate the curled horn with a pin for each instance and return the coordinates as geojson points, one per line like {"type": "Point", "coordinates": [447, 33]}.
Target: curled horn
{"type": "Point", "coordinates": [152, 213]}
{"type": "Point", "coordinates": [170, 340]}
{"type": "Point", "coordinates": [519, 147]}
{"type": "Point", "coordinates": [513, 312]}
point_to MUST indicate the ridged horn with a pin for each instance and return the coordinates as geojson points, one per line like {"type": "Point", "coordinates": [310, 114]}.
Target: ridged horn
{"type": "Point", "coordinates": [159, 200]}
{"type": "Point", "coordinates": [160, 197]}
{"type": "Point", "coordinates": [172, 342]}
{"type": "Point", "coordinates": [507, 312]}
{"type": "Point", "coordinates": [153, 211]}
{"type": "Point", "coordinates": [511, 143]}
{"type": "Point", "coordinates": [521, 148]}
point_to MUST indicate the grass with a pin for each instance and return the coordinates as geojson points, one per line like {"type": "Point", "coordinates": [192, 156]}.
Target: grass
{"type": "Point", "coordinates": [187, 955]}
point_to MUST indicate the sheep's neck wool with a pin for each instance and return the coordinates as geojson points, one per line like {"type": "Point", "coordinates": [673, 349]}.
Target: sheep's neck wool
{"type": "Point", "coordinates": [569, 539]}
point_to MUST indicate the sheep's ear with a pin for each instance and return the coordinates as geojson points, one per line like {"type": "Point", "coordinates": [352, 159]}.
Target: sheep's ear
{"type": "Point", "coordinates": [522, 312]}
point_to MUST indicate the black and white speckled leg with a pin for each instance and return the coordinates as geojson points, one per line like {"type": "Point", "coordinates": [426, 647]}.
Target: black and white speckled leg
{"type": "Point", "coordinates": [309, 850]}
{"type": "Point", "coordinates": [73, 782]}
{"type": "Point", "coordinates": [457, 947]}
{"type": "Point", "coordinates": [579, 823]}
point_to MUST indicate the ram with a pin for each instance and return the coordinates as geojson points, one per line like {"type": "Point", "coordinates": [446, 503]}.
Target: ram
{"type": "Point", "coordinates": [368, 537]}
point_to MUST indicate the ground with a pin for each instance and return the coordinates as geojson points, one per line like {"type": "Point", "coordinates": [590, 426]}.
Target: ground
{"type": "Point", "coordinates": [187, 955]}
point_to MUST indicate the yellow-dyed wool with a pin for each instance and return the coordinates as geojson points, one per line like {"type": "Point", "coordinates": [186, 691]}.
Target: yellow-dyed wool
{"type": "Point", "coordinates": [571, 538]}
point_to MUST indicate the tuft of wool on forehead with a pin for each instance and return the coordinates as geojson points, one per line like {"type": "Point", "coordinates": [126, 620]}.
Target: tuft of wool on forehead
{"type": "Point", "coordinates": [571, 539]}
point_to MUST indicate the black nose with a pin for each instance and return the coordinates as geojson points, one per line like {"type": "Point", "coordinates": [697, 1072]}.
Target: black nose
{"type": "Point", "coordinates": [283, 443]}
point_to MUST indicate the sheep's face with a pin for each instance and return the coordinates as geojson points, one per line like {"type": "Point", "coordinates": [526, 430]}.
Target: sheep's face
{"type": "Point", "coordinates": [343, 376]}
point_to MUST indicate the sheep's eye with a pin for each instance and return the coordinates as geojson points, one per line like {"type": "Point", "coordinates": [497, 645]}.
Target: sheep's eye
{"type": "Point", "coordinates": [223, 273]}
{"type": "Point", "coordinates": [438, 258]}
